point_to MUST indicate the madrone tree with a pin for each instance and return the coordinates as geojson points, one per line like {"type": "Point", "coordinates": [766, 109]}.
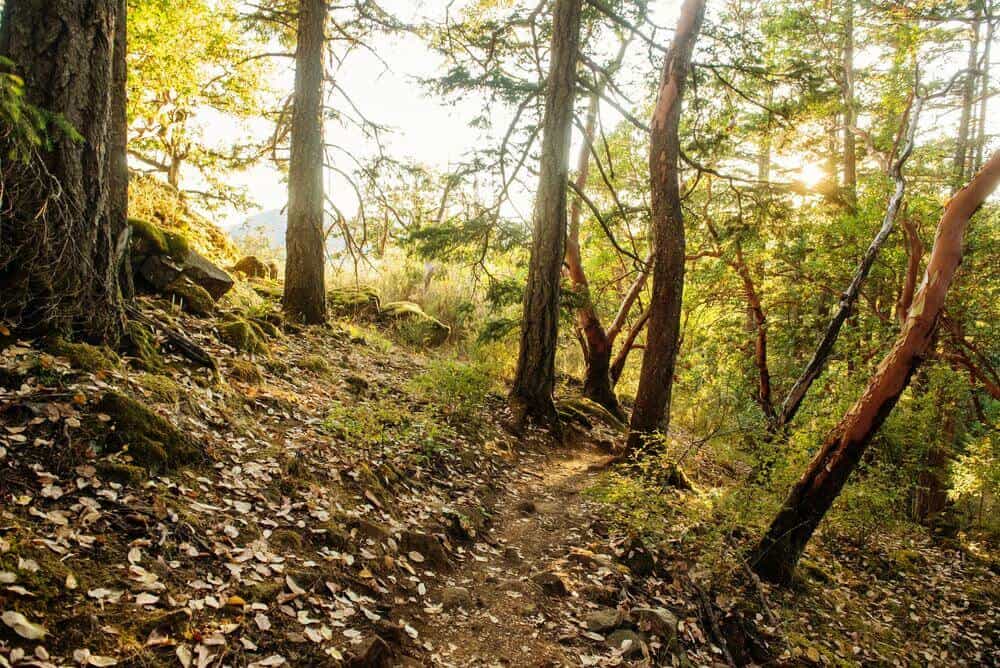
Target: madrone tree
{"type": "Point", "coordinates": [531, 394]}
{"type": "Point", "coordinates": [305, 291]}
{"type": "Point", "coordinates": [652, 400]}
{"type": "Point", "coordinates": [63, 235]}
{"type": "Point", "coordinates": [779, 551]}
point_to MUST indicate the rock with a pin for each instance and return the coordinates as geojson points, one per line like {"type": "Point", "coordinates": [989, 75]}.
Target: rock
{"type": "Point", "coordinates": [429, 547]}
{"type": "Point", "coordinates": [202, 272]}
{"type": "Point", "coordinates": [659, 622]}
{"type": "Point", "coordinates": [244, 335]}
{"type": "Point", "coordinates": [600, 594]}
{"type": "Point", "coordinates": [272, 270]}
{"type": "Point", "coordinates": [466, 524]}
{"type": "Point", "coordinates": [159, 258]}
{"type": "Point", "coordinates": [638, 559]}
{"type": "Point", "coordinates": [192, 298]}
{"type": "Point", "coordinates": [590, 559]}
{"type": "Point", "coordinates": [629, 643]}
{"type": "Point", "coordinates": [159, 271]}
{"type": "Point", "coordinates": [252, 267]}
{"type": "Point", "coordinates": [456, 597]}
{"type": "Point", "coordinates": [373, 653]}
{"type": "Point", "coordinates": [552, 584]}
{"type": "Point", "coordinates": [413, 325]}
{"type": "Point", "coordinates": [603, 619]}
{"type": "Point", "coordinates": [152, 442]}
{"type": "Point", "coordinates": [526, 507]}
{"type": "Point", "coordinates": [349, 302]}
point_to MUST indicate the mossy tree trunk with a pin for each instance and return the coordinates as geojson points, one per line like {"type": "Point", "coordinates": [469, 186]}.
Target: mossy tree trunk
{"type": "Point", "coordinates": [652, 401]}
{"type": "Point", "coordinates": [64, 235]}
{"type": "Point", "coordinates": [534, 380]}
{"type": "Point", "coordinates": [305, 264]}
{"type": "Point", "coordinates": [778, 552]}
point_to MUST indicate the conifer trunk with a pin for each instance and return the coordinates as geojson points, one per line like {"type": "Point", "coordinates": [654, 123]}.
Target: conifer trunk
{"type": "Point", "coordinates": [305, 290]}
{"type": "Point", "coordinates": [534, 381]}
{"type": "Point", "coordinates": [652, 401]}
{"type": "Point", "coordinates": [779, 551]}
{"type": "Point", "coordinates": [64, 235]}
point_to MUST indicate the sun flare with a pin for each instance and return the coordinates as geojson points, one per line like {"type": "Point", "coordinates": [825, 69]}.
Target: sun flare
{"type": "Point", "coordinates": [811, 174]}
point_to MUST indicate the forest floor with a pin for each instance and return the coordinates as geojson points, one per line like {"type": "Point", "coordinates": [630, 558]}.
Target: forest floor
{"type": "Point", "coordinates": [346, 508]}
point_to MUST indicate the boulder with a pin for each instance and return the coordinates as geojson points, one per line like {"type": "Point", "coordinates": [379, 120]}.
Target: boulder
{"type": "Point", "coordinates": [456, 597]}
{"type": "Point", "coordinates": [413, 325]}
{"type": "Point", "coordinates": [603, 619]}
{"type": "Point", "coordinates": [192, 298]}
{"type": "Point", "coordinates": [252, 267]}
{"type": "Point", "coordinates": [349, 302]}
{"type": "Point", "coordinates": [205, 274]}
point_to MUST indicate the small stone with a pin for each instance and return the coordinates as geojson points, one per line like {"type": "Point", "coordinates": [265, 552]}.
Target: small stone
{"type": "Point", "coordinates": [456, 597]}
{"type": "Point", "coordinates": [656, 621]}
{"type": "Point", "coordinates": [603, 619]}
{"type": "Point", "coordinates": [551, 583]}
{"type": "Point", "coordinates": [628, 642]}
{"type": "Point", "coordinates": [526, 507]}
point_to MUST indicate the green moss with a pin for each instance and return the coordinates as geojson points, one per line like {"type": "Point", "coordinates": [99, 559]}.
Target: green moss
{"type": "Point", "coordinates": [85, 356]}
{"type": "Point", "coordinates": [162, 388]}
{"type": "Point", "coordinates": [315, 363]}
{"type": "Point", "coordinates": [246, 371]}
{"type": "Point", "coordinates": [125, 474]}
{"type": "Point", "coordinates": [267, 327]}
{"type": "Point", "coordinates": [147, 238]}
{"type": "Point", "coordinates": [414, 326]}
{"type": "Point", "coordinates": [150, 440]}
{"type": "Point", "coordinates": [194, 298]}
{"type": "Point", "coordinates": [261, 592]}
{"type": "Point", "coordinates": [286, 539]}
{"type": "Point", "coordinates": [244, 335]}
{"type": "Point", "coordinates": [353, 302]}
{"type": "Point", "coordinates": [141, 343]}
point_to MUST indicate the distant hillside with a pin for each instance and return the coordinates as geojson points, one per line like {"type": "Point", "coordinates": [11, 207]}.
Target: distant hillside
{"type": "Point", "coordinates": [266, 230]}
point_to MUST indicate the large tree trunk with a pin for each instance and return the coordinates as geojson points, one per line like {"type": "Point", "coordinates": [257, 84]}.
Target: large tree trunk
{"type": "Point", "coordinates": [63, 238]}
{"type": "Point", "coordinates": [652, 401]}
{"type": "Point", "coordinates": [779, 551]}
{"type": "Point", "coordinates": [534, 381]}
{"type": "Point", "coordinates": [305, 291]}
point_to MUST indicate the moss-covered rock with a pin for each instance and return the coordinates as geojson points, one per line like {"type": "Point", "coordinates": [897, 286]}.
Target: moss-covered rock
{"type": "Point", "coordinates": [192, 298]}
{"type": "Point", "coordinates": [244, 335]}
{"type": "Point", "coordinates": [315, 363]}
{"type": "Point", "coordinates": [246, 371]}
{"type": "Point", "coordinates": [161, 388]}
{"type": "Point", "coordinates": [85, 356]}
{"type": "Point", "coordinates": [253, 267]}
{"type": "Point", "coordinates": [120, 472]}
{"type": "Point", "coordinates": [149, 239]}
{"type": "Point", "coordinates": [151, 441]}
{"type": "Point", "coordinates": [269, 328]}
{"type": "Point", "coordinates": [413, 325]}
{"type": "Point", "coordinates": [347, 302]}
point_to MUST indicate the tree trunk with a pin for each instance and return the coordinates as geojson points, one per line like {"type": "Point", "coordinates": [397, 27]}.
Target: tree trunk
{"type": "Point", "coordinates": [984, 95]}
{"type": "Point", "coordinates": [305, 291]}
{"type": "Point", "coordinates": [850, 152]}
{"type": "Point", "coordinates": [534, 381]}
{"type": "Point", "coordinates": [64, 243]}
{"type": "Point", "coordinates": [652, 401]}
{"type": "Point", "coordinates": [779, 551]}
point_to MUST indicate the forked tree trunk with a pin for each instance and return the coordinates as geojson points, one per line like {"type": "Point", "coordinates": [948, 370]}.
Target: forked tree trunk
{"type": "Point", "coordinates": [652, 401]}
{"type": "Point", "coordinates": [305, 290]}
{"type": "Point", "coordinates": [63, 238]}
{"type": "Point", "coordinates": [778, 552]}
{"type": "Point", "coordinates": [534, 381]}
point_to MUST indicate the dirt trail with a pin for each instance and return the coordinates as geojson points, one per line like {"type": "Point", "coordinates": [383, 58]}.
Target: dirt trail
{"type": "Point", "coordinates": [507, 619]}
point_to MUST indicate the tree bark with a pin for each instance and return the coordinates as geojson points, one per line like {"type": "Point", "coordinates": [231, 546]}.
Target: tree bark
{"type": "Point", "coordinates": [961, 159]}
{"type": "Point", "coordinates": [914, 253]}
{"type": "Point", "coordinates": [305, 264]}
{"type": "Point", "coordinates": [534, 381]}
{"type": "Point", "coordinates": [652, 401]}
{"type": "Point", "coordinates": [63, 245]}
{"type": "Point", "coordinates": [778, 552]}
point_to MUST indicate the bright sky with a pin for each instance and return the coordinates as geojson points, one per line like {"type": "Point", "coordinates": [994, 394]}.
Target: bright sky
{"type": "Point", "coordinates": [425, 129]}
